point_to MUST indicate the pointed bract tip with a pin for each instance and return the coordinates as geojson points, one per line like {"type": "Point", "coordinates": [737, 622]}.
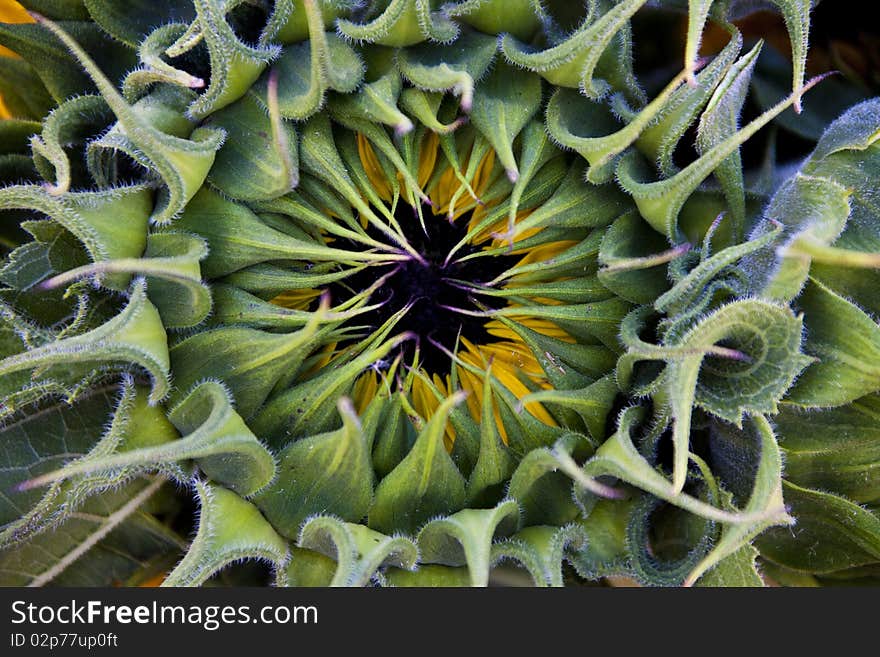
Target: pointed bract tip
{"type": "Point", "coordinates": [403, 127]}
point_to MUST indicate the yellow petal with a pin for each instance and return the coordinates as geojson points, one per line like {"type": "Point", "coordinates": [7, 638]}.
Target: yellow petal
{"type": "Point", "coordinates": [545, 252]}
{"type": "Point", "coordinates": [427, 158]}
{"type": "Point", "coordinates": [365, 389]}
{"type": "Point", "coordinates": [296, 299]}
{"type": "Point", "coordinates": [538, 325]}
{"type": "Point", "coordinates": [425, 403]}
{"type": "Point", "coordinates": [10, 12]}
{"type": "Point", "coordinates": [373, 168]}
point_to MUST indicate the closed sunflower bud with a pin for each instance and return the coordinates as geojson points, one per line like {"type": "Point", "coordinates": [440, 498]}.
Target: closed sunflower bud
{"type": "Point", "coordinates": [420, 294]}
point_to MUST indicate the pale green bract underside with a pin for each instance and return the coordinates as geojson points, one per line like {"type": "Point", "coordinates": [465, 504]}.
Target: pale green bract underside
{"type": "Point", "coordinates": [138, 346]}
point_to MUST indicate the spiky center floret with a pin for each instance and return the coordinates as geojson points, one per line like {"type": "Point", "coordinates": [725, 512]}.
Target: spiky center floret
{"type": "Point", "coordinates": [430, 291]}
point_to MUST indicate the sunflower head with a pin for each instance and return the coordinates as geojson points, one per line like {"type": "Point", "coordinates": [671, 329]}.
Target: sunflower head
{"type": "Point", "coordinates": [421, 293]}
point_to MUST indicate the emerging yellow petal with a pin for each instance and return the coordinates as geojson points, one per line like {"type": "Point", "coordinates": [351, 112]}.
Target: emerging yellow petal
{"type": "Point", "coordinates": [11, 12]}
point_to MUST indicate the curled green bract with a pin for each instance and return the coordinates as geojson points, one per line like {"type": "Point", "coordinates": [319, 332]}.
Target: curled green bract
{"type": "Point", "coordinates": [411, 293]}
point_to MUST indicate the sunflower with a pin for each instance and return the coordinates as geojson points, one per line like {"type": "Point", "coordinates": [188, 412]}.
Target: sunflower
{"type": "Point", "coordinates": [460, 266]}
{"type": "Point", "coordinates": [431, 293]}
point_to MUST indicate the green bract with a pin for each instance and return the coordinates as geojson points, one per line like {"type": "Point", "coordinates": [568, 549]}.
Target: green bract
{"type": "Point", "coordinates": [414, 293]}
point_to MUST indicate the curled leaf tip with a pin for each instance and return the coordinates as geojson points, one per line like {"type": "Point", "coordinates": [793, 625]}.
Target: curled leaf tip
{"type": "Point", "coordinates": [403, 127]}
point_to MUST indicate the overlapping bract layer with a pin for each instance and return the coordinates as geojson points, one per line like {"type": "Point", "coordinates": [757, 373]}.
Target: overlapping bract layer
{"type": "Point", "coordinates": [168, 175]}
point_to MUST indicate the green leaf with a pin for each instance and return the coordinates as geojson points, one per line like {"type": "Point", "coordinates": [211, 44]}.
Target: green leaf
{"type": "Point", "coordinates": [543, 493]}
{"type": "Point", "coordinates": [424, 107]}
{"type": "Point", "coordinates": [833, 449]}
{"type": "Point", "coordinates": [171, 268]}
{"type": "Point", "coordinates": [452, 67]}
{"type": "Point", "coordinates": [308, 69]}
{"type": "Point", "coordinates": [62, 10]}
{"type": "Point", "coordinates": [64, 129]}
{"type": "Point", "coordinates": [309, 407]}
{"type": "Point", "coordinates": [465, 538]}
{"type": "Point", "coordinates": [182, 163]}
{"type": "Point", "coordinates": [15, 135]}
{"type": "Point", "coordinates": [829, 215]}
{"type": "Point", "coordinates": [375, 102]}
{"type": "Point", "coordinates": [289, 22]}
{"type": "Point", "coordinates": [814, 211]}
{"type": "Point", "coordinates": [132, 21]}
{"type": "Point", "coordinates": [22, 90]}
{"type": "Point", "coordinates": [604, 552]}
{"type": "Point", "coordinates": [592, 403]}
{"type": "Point", "coordinates": [235, 306]}
{"type": "Point", "coordinates": [219, 441]}
{"type": "Point", "coordinates": [106, 542]}
{"type": "Point", "coordinates": [237, 238]}
{"type": "Point", "coordinates": [573, 62]}
{"type": "Point", "coordinates": [230, 530]}
{"type": "Point", "coordinates": [214, 436]}
{"type": "Point", "coordinates": [765, 339]}
{"type": "Point", "coordinates": [503, 104]}
{"type": "Point", "coordinates": [494, 462]}
{"type": "Point", "coordinates": [525, 432]}
{"type": "Point", "coordinates": [698, 12]}
{"type": "Point", "coordinates": [590, 129]}
{"type": "Point", "coordinates": [689, 290]}
{"type": "Point", "coordinates": [396, 437]}
{"type": "Point", "coordinates": [659, 140]}
{"type": "Point", "coordinates": [401, 23]}
{"type": "Point", "coordinates": [92, 217]}
{"type": "Point", "coordinates": [133, 337]}
{"type": "Point", "coordinates": [765, 501]}
{"type": "Point", "coordinates": [60, 74]}
{"type": "Point", "coordinates": [619, 458]}
{"type": "Point", "coordinates": [517, 17]}
{"type": "Point", "coordinates": [269, 280]}
{"type": "Point", "coordinates": [536, 149]}
{"type": "Point", "coordinates": [320, 157]}
{"type": "Point", "coordinates": [235, 65]}
{"type": "Point", "coordinates": [308, 568]}
{"type": "Point", "coordinates": [428, 575]}
{"type": "Point", "coordinates": [258, 159]}
{"type": "Point", "coordinates": [721, 118]}
{"type": "Point", "coordinates": [665, 544]}
{"type": "Point", "coordinates": [362, 121]}
{"type": "Point", "coordinates": [846, 344]}
{"type": "Point", "coordinates": [839, 534]}
{"type": "Point", "coordinates": [576, 205]}
{"type": "Point", "coordinates": [39, 443]}
{"type": "Point", "coordinates": [360, 553]}
{"type": "Point", "coordinates": [777, 575]}
{"type": "Point", "coordinates": [153, 53]}
{"type": "Point", "coordinates": [582, 257]}
{"type": "Point", "coordinates": [599, 320]}
{"type": "Point", "coordinates": [739, 569]}
{"type": "Point", "coordinates": [326, 473]}
{"type": "Point", "coordinates": [250, 362]}
{"type": "Point", "coordinates": [424, 485]}
{"type": "Point", "coordinates": [633, 256]}
{"type": "Point", "coordinates": [541, 550]}
{"type": "Point", "coordinates": [797, 21]}
{"type": "Point", "coordinates": [770, 336]}
{"type": "Point", "coordinates": [660, 202]}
